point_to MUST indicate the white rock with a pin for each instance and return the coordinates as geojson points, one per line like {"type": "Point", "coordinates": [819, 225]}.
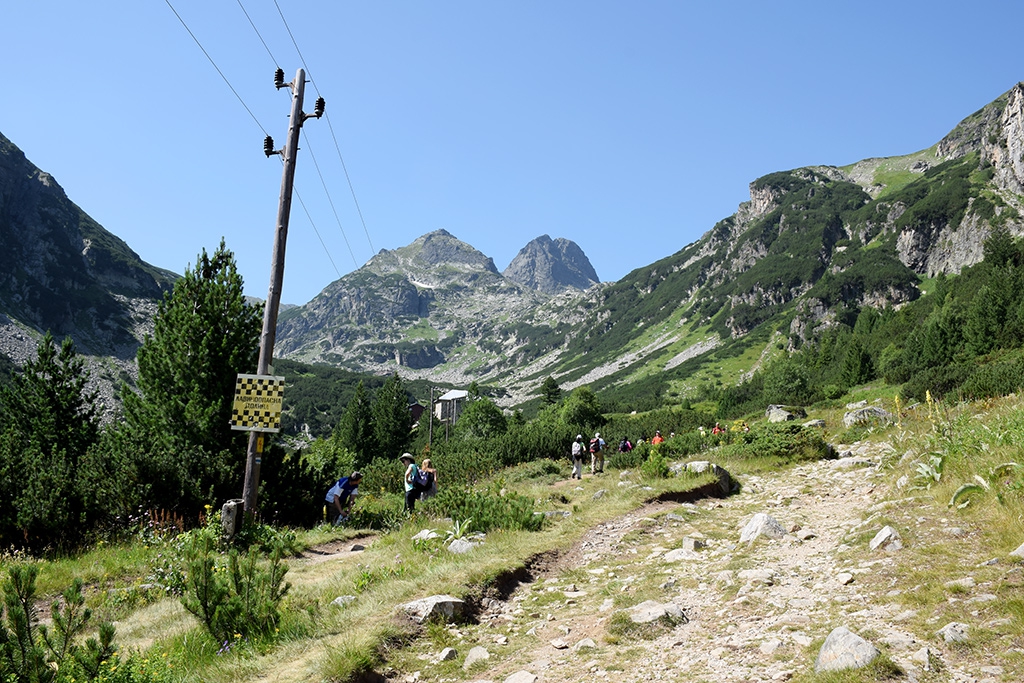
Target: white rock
{"type": "Point", "coordinates": [522, 677]}
{"type": "Point", "coordinates": [953, 632]}
{"type": "Point", "coordinates": [445, 606]}
{"type": "Point", "coordinates": [844, 649]}
{"type": "Point", "coordinates": [649, 611]}
{"type": "Point", "coordinates": [761, 524]}
{"type": "Point", "coordinates": [477, 654]}
{"type": "Point", "coordinates": [886, 539]}
{"type": "Point", "coordinates": [585, 644]}
{"type": "Point", "coordinates": [447, 654]}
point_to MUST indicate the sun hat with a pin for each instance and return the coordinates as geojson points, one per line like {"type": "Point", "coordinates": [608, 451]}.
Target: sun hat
{"type": "Point", "coordinates": [597, 435]}
{"type": "Point", "coordinates": [579, 436]}
{"type": "Point", "coordinates": [407, 456]}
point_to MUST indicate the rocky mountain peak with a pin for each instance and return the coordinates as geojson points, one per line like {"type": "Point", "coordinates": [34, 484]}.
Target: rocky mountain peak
{"type": "Point", "coordinates": [422, 258]}
{"type": "Point", "coordinates": [552, 266]}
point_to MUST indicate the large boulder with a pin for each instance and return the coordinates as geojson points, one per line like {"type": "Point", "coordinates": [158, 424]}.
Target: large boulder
{"type": "Point", "coordinates": [726, 484]}
{"type": "Point", "coordinates": [871, 415]}
{"type": "Point", "coordinates": [444, 607]}
{"type": "Point", "coordinates": [784, 413]}
{"type": "Point", "coordinates": [844, 649]}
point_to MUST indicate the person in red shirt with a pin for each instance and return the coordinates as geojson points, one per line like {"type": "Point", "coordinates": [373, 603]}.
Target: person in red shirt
{"type": "Point", "coordinates": [658, 438]}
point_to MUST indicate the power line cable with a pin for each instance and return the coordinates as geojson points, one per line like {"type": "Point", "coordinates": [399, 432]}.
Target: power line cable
{"type": "Point", "coordinates": [272, 58]}
{"type": "Point", "coordinates": [313, 156]}
{"type": "Point", "coordinates": [326, 250]}
{"type": "Point", "coordinates": [337, 147]}
{"type": "Point", "coordinates": [225, 78]}
{"type": "Point", "coordinates": [331, 201]}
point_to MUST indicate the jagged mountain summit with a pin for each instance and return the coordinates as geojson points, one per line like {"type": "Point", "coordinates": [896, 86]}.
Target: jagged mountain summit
{"type": "Point", "coordinates": [552, 266]}
{"type": "Point", "coordinates": [432, 302]}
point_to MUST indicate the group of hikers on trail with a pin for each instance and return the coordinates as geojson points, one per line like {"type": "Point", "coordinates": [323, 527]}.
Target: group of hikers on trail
{"type": "Point", "coordinates": [420, 484]}
{"type": "Point", "coordinates": [421, 480]}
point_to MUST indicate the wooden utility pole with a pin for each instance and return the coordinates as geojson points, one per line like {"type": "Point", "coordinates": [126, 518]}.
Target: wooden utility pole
{"type": "Point", "coordinates": [430, 420]}
{"type": "Point", "coordinates": [254, 454]}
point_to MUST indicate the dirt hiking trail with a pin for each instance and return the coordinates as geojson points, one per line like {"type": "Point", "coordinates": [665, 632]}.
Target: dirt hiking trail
{"type": "Point", "coordinates": [754, 612]}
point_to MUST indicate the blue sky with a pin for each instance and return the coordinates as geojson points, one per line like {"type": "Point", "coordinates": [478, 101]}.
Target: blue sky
{"type": "Point", "coordinates": [628, 127]}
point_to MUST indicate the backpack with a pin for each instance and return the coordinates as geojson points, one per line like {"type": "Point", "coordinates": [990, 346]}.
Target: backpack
{"type": "Point", "coordinates": [422, 480]}
{"type": "Point", "coordinates": [595, 445]}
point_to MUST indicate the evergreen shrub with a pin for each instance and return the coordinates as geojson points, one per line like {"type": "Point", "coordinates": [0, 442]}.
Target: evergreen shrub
{"type": "Point", "coordinates": [787, 443]}
{"type": "Point", "coordinates": [486, 509]}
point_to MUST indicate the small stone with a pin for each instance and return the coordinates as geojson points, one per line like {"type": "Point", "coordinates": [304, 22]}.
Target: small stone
{"type": "Point", "coordinates": [477, 654]}
{"type": "Point", "coordinates": [650, 610]}
{"type": "Point", "coordinates": [522, 677]}
{"type": "Point", "coordinates": [761, 524]}
{"type": "Point", "coordinates": [447, 654]}
{"type": "Point", "coordinates": [559, 644]}
{"type": "Point", "coordinates": [844, 578]}
{"type": "Point", "coordinates": [357, 548]}
{"type": "Point", "coordinates": [343, 600]}
{"type": "Point", "coordinates": [886, 539]}
{"type": "Point", "coordinates": [953, 632]}
{"type": "Point", "coordinates": [585, 644]}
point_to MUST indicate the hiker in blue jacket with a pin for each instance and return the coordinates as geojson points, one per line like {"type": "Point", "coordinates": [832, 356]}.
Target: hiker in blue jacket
{"type": "Point", "coordinates": [341, 496]}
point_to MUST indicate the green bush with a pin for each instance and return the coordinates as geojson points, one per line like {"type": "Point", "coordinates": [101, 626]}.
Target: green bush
{"type": "Point", "coordinates": [486, 509]}
{"type": "Point", "coordinates": [34, 653]}
{"type": "Point", "coordinates": [234, 597]}
{"type": "Point", "coordinates": [787, 443]}
{"type": "Point", "coordinates": [655, 467]}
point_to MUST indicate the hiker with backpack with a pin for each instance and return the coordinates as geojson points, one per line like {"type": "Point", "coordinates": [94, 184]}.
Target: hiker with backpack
{"type": "Point", "coordinates": [411, 471]}
{"type": "Point", "coordinates": [430, 477]}
{"type": "Point", "coordinates": [597, 445]}
{"type": "Point", "coordinates": [625, 446]}
{"type": "Point", "coordinates": [578, 449]}
{"type": "Point", "coordinates": [416, 481]}
{"type": "Point", "coordinates": [340, 497]}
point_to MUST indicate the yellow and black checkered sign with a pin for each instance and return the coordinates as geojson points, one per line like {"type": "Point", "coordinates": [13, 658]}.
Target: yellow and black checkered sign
{"type": "Point", "coordinates": [257, 406]}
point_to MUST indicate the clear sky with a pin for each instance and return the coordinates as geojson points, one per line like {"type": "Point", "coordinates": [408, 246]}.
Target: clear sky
{"type": "Point", "coordinates": [628, 127]}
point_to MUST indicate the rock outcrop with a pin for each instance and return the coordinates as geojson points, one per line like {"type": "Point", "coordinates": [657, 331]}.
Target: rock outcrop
{"type": "Point", "coordinates": [551, 266]}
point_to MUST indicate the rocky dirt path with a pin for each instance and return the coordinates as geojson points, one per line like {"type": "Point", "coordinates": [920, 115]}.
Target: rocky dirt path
{"type": "Point", "coordinates": [758, 611]}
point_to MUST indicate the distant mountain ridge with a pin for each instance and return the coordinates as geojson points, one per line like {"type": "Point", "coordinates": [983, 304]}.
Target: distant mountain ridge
{"type": "Point", "coordinates": [413, 307]}
{"type": "Point", "coordinates": [811, 248]}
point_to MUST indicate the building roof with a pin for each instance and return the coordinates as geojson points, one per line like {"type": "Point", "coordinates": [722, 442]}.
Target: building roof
{"type": "Point", "coordinates": [454, 395]}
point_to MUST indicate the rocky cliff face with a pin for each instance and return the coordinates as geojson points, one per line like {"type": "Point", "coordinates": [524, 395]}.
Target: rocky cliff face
{"type": "Point", "coordinates": [551, 266]}
{"type": "Point", "coordinates": [60, 271]}
{"type": "Point", "coordinates": [437, 301]}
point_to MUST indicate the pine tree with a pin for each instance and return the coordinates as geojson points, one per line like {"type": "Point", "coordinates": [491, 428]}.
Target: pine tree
{"type": "Point", "coordinates": [391, 421]}
{"type": "Point", "coordinates": [205, 334]}
{"type": "Point", "coordinates": [355, 430]}
{"type": "Point", "coordinates": [49, 421]}
{"type": "Point", "coordinates": [550, 392]}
